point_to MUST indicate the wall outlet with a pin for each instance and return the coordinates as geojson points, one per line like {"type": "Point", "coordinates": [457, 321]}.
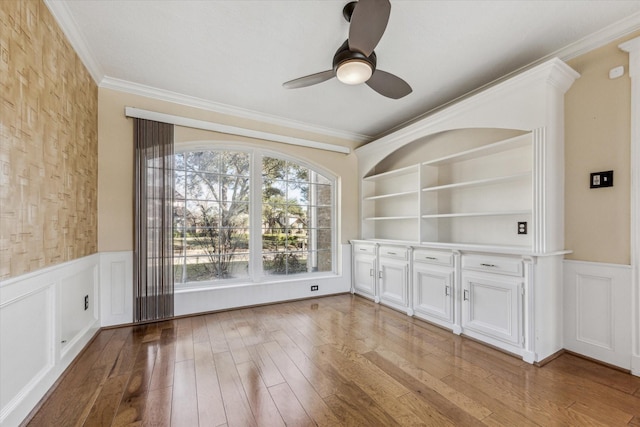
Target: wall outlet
{"type": "Point", "coordinates": [522, 227]}
{"type": "Point", "coordinates": [86, 302]}
{"type": "Point", "coordinates": [314, 288]}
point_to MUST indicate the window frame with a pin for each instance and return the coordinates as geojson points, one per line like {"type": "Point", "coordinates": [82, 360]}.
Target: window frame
{"type": "Point", "coordinates": [256, 273]}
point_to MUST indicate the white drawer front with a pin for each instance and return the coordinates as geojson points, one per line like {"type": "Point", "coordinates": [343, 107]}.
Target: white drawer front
{"type": "Point", "coordinates": [392, 252]}
{"type": "Point", "coordinates": [360, 248]}
{"type": "Point", "coordinates": [433, 257]}
{"type": "Point", "coordinates": [498, 265]}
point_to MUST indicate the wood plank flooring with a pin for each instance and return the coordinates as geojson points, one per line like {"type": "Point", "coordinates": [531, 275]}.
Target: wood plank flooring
{"type": "Point", "coordinates": [332, 361]}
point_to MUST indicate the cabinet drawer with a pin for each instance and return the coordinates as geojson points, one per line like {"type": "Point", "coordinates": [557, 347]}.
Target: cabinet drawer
{"type": "Point", "coordinates": [392, 252]}
{"type": "Point", "coordinates": [498, 265]}
{"type": "Point", "coordinates": [433, 257]}
{"type": "Point", "coordinates": [360, 248]}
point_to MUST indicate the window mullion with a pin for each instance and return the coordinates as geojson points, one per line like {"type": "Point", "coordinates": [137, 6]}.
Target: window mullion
{"type": "Point", "coordinates": [255, 217]}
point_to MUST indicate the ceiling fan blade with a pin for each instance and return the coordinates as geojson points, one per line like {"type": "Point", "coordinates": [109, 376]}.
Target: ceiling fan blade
{"type": "Point", "coordinates": [386, 84]}
{"type": "Point", "coordinates": [368, 22]}
{"type": "Point", "coordinates": [309, 80]}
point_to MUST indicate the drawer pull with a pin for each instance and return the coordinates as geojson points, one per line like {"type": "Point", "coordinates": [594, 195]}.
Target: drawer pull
{"type": "Point", "coordinates": [447, 291]}
{"type": "Point", "coordinates": [488, 265]}
{"type": "Point", "coordinates": [363, 249]}
{"type": "Point", "coordinates": [465, 295]}
{"type": "Point", "coordinates": [431, 258]}
{"type": "Point", "coordinates": [391, 253]}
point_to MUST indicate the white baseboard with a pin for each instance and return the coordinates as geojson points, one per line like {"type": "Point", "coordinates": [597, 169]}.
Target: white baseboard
{"type": "Point", "coordinates": [43, 327]}
{"type": "Point", "coordinates": [635, 365]}
{"type": "Point", "coordinates": [597, 312]}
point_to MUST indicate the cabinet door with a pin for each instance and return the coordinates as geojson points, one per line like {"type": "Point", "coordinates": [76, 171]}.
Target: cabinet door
{"type": "Point", "coordinates": [493, 307]}
{"type": "Point", "coordinates": [364, 274]}
{"type": "Point", "coordinates": [392, 279]}
{"type": "Point", "coordinates": [433, 292]}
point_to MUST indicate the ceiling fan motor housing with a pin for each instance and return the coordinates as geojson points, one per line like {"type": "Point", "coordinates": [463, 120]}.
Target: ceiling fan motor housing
{"type": "Point", "coordinates": [343, 54]}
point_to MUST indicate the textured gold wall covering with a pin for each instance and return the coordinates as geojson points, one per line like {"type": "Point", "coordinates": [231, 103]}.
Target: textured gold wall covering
{"type": "Point", "coordinates": [48, 143]}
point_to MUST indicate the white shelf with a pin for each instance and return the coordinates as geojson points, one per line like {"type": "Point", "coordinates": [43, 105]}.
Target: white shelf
{"type": "Point", "coordinates": [477, 214]}
{"type": "Point", "coordinates": [480, 182]}
{"type": "Point", "coordinates": [386, 196]}
{"type": "Point", "coordinates": [485, 150]}
{"type": "Point", "coordinates": [385, 218]}
{"type": "Point", "coordinates": [392, 173]}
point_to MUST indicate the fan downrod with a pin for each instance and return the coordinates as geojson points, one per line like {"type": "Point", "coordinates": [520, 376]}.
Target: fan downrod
{"type": "Point", "coordinates": [347, 11]}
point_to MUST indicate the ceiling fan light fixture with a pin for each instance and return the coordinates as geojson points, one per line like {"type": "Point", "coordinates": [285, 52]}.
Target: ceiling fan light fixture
{"type": "Point", "coordinates": [354, 72]}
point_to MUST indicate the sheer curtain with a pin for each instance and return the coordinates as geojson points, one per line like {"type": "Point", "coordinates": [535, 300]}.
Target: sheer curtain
{"type": "Point", "coordinates": [153, 241]}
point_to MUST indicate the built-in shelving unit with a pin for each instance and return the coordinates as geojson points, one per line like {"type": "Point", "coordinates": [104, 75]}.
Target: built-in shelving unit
{"type": "Point", "coordinates": [487, 188]}
{"type": "Point", "coordinates": [391, 202]}
{"type": "Point", "coordinates": [442, 201]}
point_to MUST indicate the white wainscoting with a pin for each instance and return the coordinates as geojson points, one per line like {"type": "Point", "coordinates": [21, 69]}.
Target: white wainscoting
{"type": "Point", "coordinates": [116, 288]}
{"type": "Point", "coordinates": [191, 301]}
{"type": "Point", "coordinates": [597, 316]}
{"type": "Point", "coordinates": [43, 327]}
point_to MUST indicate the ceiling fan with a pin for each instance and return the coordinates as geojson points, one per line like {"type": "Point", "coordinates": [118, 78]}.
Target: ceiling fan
{"type": "Point", "coordinates": [355, 61]}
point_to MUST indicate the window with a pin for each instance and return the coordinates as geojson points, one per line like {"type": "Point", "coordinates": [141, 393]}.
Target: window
{"type": "Point", "coordinates": [296, 218]}
{"type": "Point", "coordinates": [220, 237]}
{"type": "Point", "coordinates": [211, 216]}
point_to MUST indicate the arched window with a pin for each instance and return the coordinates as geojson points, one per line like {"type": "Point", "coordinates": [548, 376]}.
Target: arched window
{"type": "Point", "coordinates": [247, 215]}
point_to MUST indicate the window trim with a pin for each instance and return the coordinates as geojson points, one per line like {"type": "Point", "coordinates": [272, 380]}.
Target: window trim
{"type": "Point", "coordinates": [256, 272]}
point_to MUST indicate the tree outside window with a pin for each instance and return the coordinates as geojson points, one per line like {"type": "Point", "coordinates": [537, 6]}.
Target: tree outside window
{"type": "Point", "coordinates": [296, 218]}
{"type": "Point", "coordinates": [212, 222]}
{"type": "Point", "coordinates": [211, 216]}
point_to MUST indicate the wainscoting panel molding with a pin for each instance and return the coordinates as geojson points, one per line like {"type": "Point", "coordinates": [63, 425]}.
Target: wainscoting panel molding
{"type": "Point", "coordinates": [597, 316]}
{"type": "Point", "coordinates": [116, 288]}
{"type": "Point", "coordinates": [43, 327]}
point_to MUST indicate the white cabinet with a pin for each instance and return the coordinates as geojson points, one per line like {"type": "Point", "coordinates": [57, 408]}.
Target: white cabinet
{"type": "Point", "coordinates": [381, 273]}
{"type": "Point", "coordinates": [364, 269]}
{"type": "Point", "coordinates": [433, 286]}
{"type": "Point", "coordinates": [433, 294]}
{"type": "Point", "coordinates": [492, 308]}
{"type": "Point", "coordinates": [393, 282]}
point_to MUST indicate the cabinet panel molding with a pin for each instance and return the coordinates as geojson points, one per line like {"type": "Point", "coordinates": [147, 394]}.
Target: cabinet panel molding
{"type": "Point", "coordinates": [493, 307]}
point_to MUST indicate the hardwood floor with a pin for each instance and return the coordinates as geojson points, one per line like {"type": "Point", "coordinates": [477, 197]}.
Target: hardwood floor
{"type": "Point", "coordinates": [331, 361]}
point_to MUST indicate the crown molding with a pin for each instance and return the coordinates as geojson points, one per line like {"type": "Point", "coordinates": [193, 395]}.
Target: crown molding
{"type": "Point", "coordinates": [71, 30]}
{"type": "Point", "coordinates": [598, 39]}
{"type": "Point", "coordinates": [203, 104]}
{"type": "Point", "coordinates": [591, 42]}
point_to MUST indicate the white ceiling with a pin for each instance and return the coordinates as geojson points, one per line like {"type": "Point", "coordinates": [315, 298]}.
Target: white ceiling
{"type": "Point", "coordinates": [233, 56]}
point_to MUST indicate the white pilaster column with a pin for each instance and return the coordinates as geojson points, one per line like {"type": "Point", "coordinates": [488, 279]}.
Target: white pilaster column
{"type": "Point", "coordinates": [633, 48]}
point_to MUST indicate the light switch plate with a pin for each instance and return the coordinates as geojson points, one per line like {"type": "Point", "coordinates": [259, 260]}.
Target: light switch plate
{"type": "Point", "coordinates": [601, 179]}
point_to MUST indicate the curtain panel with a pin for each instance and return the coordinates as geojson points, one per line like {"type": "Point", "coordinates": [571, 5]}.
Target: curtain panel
{"type": "Point", "coordinates": [153, 240]}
